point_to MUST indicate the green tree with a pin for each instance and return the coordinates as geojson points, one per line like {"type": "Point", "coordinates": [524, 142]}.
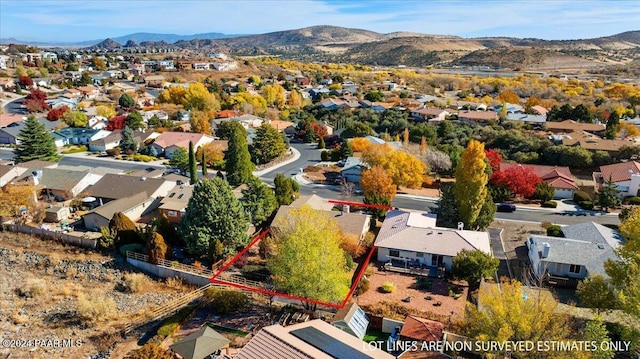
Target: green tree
{"type": "Point", "coordinates": [345, 149]}
{"type": "Point", "coordinates": [214, 222]}
{"type": "Point", "coordinates": [238, 163]}
{"type": "Point", "coordinates": [125, 229]}
{"type": "Point", "coordinates": [226, 128]}
{"type": "Point", "coordinates": [309, 261]}
{"type": "Point", "coordinates": [471, 183]}
{"type": "Point", "coordinates": [193, 165]}
{"type": "Point", "coordinates": [125, 101]}
{"type": "Point", "coordinates": [612, 126]}
{"type": "Point", "coordinates": [75, 119]}
{"type": "Point", "coordinates": [285, 189]}
{"type": "Point", "coordinates": [487, 212]}
{"type": "Point", "coordinates": [128, 143]}
{"type": "Point", "coordinates": [321, 144]}
{"type": "Point", "coordinates": [36, 143]}
{"type": "Point", "coordinates": [203, 161]}
{"type": "Point", "coordinates": [259, 201]}
{"type": "Point", "coordinates": [268, 144]}
{"type": "Point", "coordinates": [156, 247]}
{"type": "Point", "coordinates": [595, 293]}
{"type": "Point", "coordinates": [473, 266]}
{"type": "Point", "coordinates": [544, 192]}
{"type": "Point", "coordinates": [608, 197]}
{"type": "Point", "coordinates": [374, 96]}
{"type": "Point", "coordinates": [180, 160]}
{"type": "Point", "coordinates": [134, 121]}
{"type": "Point", "coordinates": [595, 331]}
{"type": "Point", "coordinates": [448, 214]}
{"type": "Point", "coordinates": [85, 79]}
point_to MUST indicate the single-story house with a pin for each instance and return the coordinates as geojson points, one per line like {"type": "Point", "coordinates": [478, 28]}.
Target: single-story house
{"type": "Point", "coordinates": [154, 80]}
{"type": "Point", "coordinates": [133, 207]}
{"type": "Point", "coordinates": [117, 186]}
{"type": "Point", "coordinates": [7, 119]}
{"type": "Point", "coordinates": [80, 136]}
{"type": "Point", "coordinates": [352, 224]}
{"type": "Point", "coordinates": [534, 120]}
{"type": "Point", "coordinates": [539, 110]}
{"type": "Point", "coordinates": [580, 254]}
{"type": "Point", "coordinates": [352, 170]}
{"type": "Point", "coordinates": [568, 126]}
{"type": "Point", "coordinates": [412, 238]}
{"type": "Point", "coordinates": [625, 175]}
{"type": "Point", "coordinates": [511, 108]}
{"type": "Point", "coordinates": [8, 173]}
{"type": "Point", "coordinates": [477, 116]}
{"type": "Point", "coordinates": [112, 140]}
{"type": "Point", "coordinates": [7, 84]}
{"type": "Point", "coordinates": [9, 135]}
{"type": "Point", "coordinates": [311, 339]}
{"type": "Point", "coordinates": [98, 122]}
{"type": "Point", "coordinates": [558, 177]}
{"type": "Point", "coordinates": [89, 92]}
{"type": "Point", "coordinates": [70, 102]}
{"type": "Point", "coordinates": [282, 126]}
{"type": "Point", "coordinates": [434, 115]}
{"type": "Point", "coordinates": [248, 121]}
{"type": "Point", "coordinates": [352, 320]}
{"type": "Point", "coordinates": [60, 184]}
{"type": "Point", "coordinates": [175, 203]}
{"type": "Point", "coordinates": [170, 141]}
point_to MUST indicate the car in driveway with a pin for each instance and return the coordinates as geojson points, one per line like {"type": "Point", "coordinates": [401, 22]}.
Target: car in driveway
{"type": "Point", "coordinates": [506, 207]}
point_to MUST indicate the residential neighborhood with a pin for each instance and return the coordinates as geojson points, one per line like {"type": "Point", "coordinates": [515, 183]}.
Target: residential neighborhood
{"type": "Point", "coordinates": [172, 203]}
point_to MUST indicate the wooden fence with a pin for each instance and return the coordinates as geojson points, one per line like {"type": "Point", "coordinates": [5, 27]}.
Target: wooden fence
{"type": "Point", "coordinates": [76, 240]}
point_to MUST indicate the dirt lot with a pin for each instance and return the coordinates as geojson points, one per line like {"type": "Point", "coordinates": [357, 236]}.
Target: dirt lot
{"type": "Point", "coordinates": [405, 287]}
{"type": "Point", "coordinates": [46, 288]}
{"type": "Point", "coordinates": [514, 236]}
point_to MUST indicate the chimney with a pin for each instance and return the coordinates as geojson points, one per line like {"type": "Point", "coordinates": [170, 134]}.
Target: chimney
{"type": "Point", "coordinates": [460, 226]}
{"type": "Point", "coordinates": [345, 208]}
{"type": "Point", "coordinates": [545, 249]}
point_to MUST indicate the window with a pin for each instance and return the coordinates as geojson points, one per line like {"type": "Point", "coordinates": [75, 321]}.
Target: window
{"type": "Point", "coordinates": [172, 213]}
{"type": "Point", "coordinates": [181, 195]}
{"type": "Point", "coordinates": [436, 260]}
{"type": "Point", "coordinates": [172, 194]}
{"type": "Point", "coordinates": [419, 255]}
{"type": "Point", "coordinates": [574, 268]}
{"type": "Point", "coordinates": [394, 253]}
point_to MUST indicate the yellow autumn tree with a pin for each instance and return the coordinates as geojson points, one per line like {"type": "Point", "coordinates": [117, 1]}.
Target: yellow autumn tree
{"type": "Point", "coordinates": [359, 144]}
{"type": "Point", "coordinates": [275, 95]}
{"type": "Point", "coordinates": [509, 312]}
{"type": "Point", "coordinates": [626, 129]}
{"type": "Point", "coordinates": [174, 95]}
{"type": "Point", "coordinates": [105, 111]}
{"type": "Point", "coordinates": [377, 182]}
{"type": "Point", "coordinates": [375, 154]}
{"type": "Point", "coordinates": [471, 182]}
{"type": "Point", "coordinates": [630, 227]}
{"type": "Point", "coordinates": [405, 169]}
{"type": "Point", "coordinates": [508, 96]}
{"type": "Point", "coordinates": [295, 99]}
{"type": "Point", "coordinates": [197, 97]}
{"type": "Point", "coordinates": [14, 198]}
{"type": "Point", "coordinates": [213, 152]}
{"type": "Point", "coordinates": [200, 123]}
{"type": "Point", "coordinates": [248, 103]}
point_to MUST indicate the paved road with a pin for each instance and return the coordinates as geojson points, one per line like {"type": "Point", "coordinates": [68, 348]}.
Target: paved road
{"type": "Point", "coordinates": [14, 106]}
{"type": "Point", "coordinates": [309, 155]}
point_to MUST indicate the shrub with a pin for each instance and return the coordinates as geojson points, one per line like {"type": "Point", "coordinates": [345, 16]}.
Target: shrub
{"type": "Point", "coordinates": [134, 247]}
{"type": "Point", "coordinates": [32, 288]}
{"type": "Point", "coordinates": [76, 150]}
{"type": "Point", "coordinates": [324, 156]}
{"type": "Point", "coordinates": [255, 272]}
{"type": "Point", "coordinates": [97, 309]}
{"type": "Point", "coordinates": [151, 351]}
{"type": "Point", "coordinates": [241, 262]}
{"type": "Point", "coordinates": [136, 282]}
{"type": "Point", "coordinates": [226, 301]}
{"type": "Point", "coordinates": [555, 231]}
{"type": "Point", "coordinates": [170, 324]}
{"type": "Point", "coordinates": [388, 287]}
{"type": "Point", "coordinates": [351, 245]}
{"type": "Point", "coordinates": [550, 204]}
{"type": "Point", "coordinates": [588, 205]}
{"type": "Point", "coordinates": [634, 201]}
{"type": "Point", "coordinates": [581, 196]}
{"type": "Point", "coordinates": [362, 287]}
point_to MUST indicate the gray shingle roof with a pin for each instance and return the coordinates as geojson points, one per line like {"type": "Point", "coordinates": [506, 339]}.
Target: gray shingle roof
{"type": "Point", "coordinates": [115, 186]}
{"type": "Point", "coordinates": [57, 179]}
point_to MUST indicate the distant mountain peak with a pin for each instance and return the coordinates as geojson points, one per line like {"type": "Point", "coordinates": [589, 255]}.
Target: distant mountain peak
{"type": "Point", "coordinates": [107, 44]}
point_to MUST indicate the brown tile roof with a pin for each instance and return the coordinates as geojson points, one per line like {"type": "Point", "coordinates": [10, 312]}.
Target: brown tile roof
{"type": "Point", "coordinates": [572, 126]}
{"type": "Point", "coordinates": [280, 125]}
{"type": "Point", "coordinates": [478, 115]}
{"type": "Point", "coordinates": [35, 164]}
{"type": "Point", "coordinates": [620, 172]}
{"type": "Point", "coordinates": [422, 329]}
{"type": "Point", "coordinates": [228, 114]}
{"type": "Point", "coordinates": [557, 176]}
{"type": "Point", "coordinates": [539, 109]}
{"type": "Point", "coordinates": [180, 139]}
{"type": "Point", "coordinates": [115, 186]}
{"type": "Point", "coordinates": [8, 118]}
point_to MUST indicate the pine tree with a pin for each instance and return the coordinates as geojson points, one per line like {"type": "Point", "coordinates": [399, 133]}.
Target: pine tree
{"type": "Point", "coordinates": [612, 126]}
{"type": "Point", "coordinates": [259, 201]}
{"type": "Point", "coordinates": [156, 247]}
{"type": "Point", "coordinates": [193, 165]}
{"type": "Point", "coordinates": [345, 149]}
{"type": "Point", "coordinates": [126, 231]}
{"type": "Point", "coordinates": [285, 189]}
{"type": "Point", "coordinates": [35, 143]}
{"type": "Point", "coordinates": [204, 164]}
{"type": "Point", "coordinates": [214, 223]}
{"type": "Point", "coordinates": [126, 101]}
{"type": "Point", "coordinates": [471, 183]}
{"type": "Point", "coordinates": [608, 198]}
{"type": "Point", "coordinates": [238, 163]}
{"type": "Point", "coordinates": [127, 142]}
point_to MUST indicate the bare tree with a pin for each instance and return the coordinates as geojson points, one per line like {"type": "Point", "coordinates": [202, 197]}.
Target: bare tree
{"type": "Point", "coordinates": [438, 161]}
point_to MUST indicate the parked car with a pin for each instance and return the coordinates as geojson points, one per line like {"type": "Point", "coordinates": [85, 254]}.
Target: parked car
{"type": "Point", "coordinates": [506, 207]}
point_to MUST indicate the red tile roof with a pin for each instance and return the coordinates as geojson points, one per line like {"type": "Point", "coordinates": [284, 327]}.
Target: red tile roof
{"type": "Point", "coordinates": [8, 118]}
{"type": "Point", "coordinates": [620, 172]}
{"type": "Point", "coordinates": [228, 114]}
{"type": "Point", "coordinates": [422, 329]}
{"type": "Point", "coordinates": [180, 139]}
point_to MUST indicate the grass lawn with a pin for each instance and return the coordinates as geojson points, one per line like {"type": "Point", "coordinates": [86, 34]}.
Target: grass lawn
{"type": "Point", "coordinates": [374, 335]}
{"type": "Point", "coordinates": [236, 332]}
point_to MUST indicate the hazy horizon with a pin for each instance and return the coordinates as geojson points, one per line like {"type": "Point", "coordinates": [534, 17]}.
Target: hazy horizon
{"type": "Point", "coordinates": [73, 21]}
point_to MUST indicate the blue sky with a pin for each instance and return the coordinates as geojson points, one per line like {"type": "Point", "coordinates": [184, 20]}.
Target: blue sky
{"type": "Point", "coordinates": [78, 20]}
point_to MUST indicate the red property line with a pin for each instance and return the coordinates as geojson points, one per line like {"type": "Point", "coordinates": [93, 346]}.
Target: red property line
{"type": "Point", "coordinates": [358, 204]}
{"type": "Point", "coordinates": [278, 294]}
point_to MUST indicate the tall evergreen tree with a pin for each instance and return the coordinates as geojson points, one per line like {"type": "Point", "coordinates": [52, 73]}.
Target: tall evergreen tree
{"type": "Point", "coordinates": [608, 198]}
{"type": "Point", "coordinates": [193, 165]}
{"type": "Point", "coordinates": [345, 149]}
{"type": "Point", "coordinates": [268, 144]}
{"type": "Point", "coordinates": [214, 223]}
{"type": "Point", "coordinates": [612, 126]}
{"type": "Point", "coordinates": [204, 164]}
{"type": "Point", "coordinates": [471, 183]}
{"type": "Point", "coordinates": [35, 143]}
{"type": "Point", "coordinates": [238, 163]}
{"type": "Point", "coordinates": [126, 101]}
{"type": "Point", "coordinates": [259, 201]}
{"type": "Point", "coordinates": [285, 189]}
{"type": "Point", "coordinates": [127, 142]}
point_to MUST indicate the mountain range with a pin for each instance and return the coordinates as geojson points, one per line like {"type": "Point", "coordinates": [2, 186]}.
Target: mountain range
{"type": "Point", "coordinates": [339, 44]}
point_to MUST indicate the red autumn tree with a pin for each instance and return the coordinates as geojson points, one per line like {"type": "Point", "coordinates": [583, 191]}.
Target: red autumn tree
{"type": "Point", "coordinates": [319, 130]}
{"type": "Point", "coordinates": [521, 181]}
{"type": "Point", "coordinates": [495, 159]}
{"type": "Point", "coordinates": [116, 123]}
{"type": "Point", "coordinates": [35, 101]}
{"type": "Point", "coordinates": [25, 81]}
{"type": "Point", "coordinates": [56, 113]}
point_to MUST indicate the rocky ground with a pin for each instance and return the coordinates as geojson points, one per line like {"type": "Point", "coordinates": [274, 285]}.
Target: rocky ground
{"type": "Point", "coordinates": [42, 291]}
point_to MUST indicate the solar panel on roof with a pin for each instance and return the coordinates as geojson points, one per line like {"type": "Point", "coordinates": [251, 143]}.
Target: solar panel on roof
{"type": "Point", "coordinates": [328, 344]}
